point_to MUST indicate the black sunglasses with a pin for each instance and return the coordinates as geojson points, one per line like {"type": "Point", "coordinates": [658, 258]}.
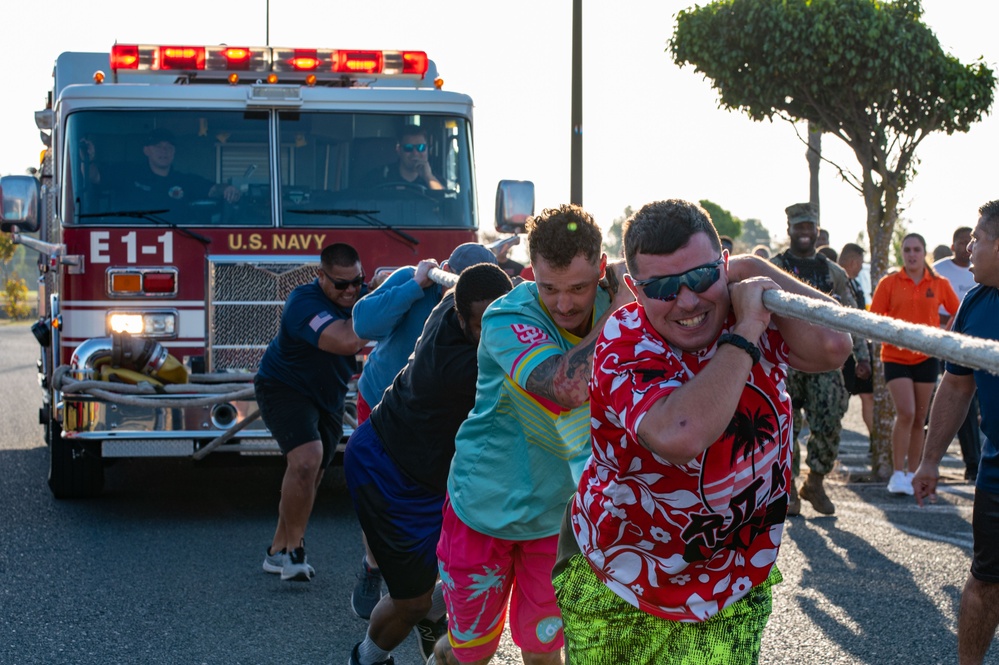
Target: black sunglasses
{"type": "Point", "coordinates": [341, 284]}
{"type": "Point", "coordinates": [410, 147]}
{"type": "Point", "coordinates": [666, 288]}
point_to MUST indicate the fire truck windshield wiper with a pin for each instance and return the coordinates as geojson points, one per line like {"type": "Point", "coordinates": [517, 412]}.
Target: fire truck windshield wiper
{"type": "Point", "coordinates": [363, 215]}
{"type": "Point", "coordinates": [152, 216]}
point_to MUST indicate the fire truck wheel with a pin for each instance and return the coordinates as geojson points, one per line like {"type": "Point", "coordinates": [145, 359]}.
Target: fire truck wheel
{"type": "Point", "coordinates": [73, 472]}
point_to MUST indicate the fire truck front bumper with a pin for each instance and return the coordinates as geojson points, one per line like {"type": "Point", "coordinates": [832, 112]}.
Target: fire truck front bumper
{"type": "Point", "coordinates": [123, 430]}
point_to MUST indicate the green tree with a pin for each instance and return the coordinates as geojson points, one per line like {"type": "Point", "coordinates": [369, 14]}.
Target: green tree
{"type": "Point", "coordinates": [16, 298]}
{"type": "Point", "coordinates": [726, 224]}
{"type": "Point", "coordinates": [613, 245]}
{"type": "Point", "coordinates": [867, 72]}
{"type": "Point", "coordinates": [754, 233]}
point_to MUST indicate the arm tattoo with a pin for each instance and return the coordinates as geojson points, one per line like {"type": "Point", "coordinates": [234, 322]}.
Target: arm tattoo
{"type": "Point", "coordinates": [541, 381]}
{"type": "Point", "coordinates": [564, 384]}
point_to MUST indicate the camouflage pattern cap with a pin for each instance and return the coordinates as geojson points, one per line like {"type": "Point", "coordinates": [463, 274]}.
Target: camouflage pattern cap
{"type": "Point", "coordinates": [802, 212]}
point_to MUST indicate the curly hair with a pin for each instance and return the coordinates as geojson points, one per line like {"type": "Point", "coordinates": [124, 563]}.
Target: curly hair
{"type": "Point", "coordinates": [558, 235]}
{"type": "Point", "coordinates": [483, 281]}
{"type": "Point", "coordinates": [663, 227]}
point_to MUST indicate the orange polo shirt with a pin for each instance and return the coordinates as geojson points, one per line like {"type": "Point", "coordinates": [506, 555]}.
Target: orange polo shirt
{"type": "Point", "coordinates": [901, 298]}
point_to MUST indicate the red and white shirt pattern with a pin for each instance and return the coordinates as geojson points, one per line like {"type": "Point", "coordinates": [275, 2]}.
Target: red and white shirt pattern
{"type": "Point", "coordinates": [681, 541]}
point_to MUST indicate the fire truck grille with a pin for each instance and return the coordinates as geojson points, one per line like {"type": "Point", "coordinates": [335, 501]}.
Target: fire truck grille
{"type": "Point", "coordinates": [246, 300]}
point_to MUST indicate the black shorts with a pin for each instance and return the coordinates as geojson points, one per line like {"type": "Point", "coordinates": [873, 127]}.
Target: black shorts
{"type": "Point", "coordinates": [294, 419]}
{"type": "Point", "coordinates": [985, 527]}
{"type": "Point", "coordinates": [401, 519]}
{"type": "Point", "coordinates": [927, 371]}
{"type": "Point", "coordinates": [854, 385]}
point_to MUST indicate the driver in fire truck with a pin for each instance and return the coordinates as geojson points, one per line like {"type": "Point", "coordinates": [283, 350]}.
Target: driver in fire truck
{"type": "Point", "coordinates": [158, 187]}
{"type": "Point", "coordinates": [413, 165]}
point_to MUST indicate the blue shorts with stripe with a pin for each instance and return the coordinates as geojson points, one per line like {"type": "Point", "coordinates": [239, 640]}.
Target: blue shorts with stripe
{"type": "Point", "coordinates": [401, 519]}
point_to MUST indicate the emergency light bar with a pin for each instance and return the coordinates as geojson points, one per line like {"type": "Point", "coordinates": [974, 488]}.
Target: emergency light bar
{"type": "Point", "coordinates": [264, 60]}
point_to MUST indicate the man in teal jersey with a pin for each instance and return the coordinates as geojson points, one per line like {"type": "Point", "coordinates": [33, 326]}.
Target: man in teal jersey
{"type": "Point", "coordinates": [521, 450]}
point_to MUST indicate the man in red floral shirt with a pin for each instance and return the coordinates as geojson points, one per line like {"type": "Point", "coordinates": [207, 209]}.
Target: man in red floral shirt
{"type": "Point", "coordinates": [669, 549]}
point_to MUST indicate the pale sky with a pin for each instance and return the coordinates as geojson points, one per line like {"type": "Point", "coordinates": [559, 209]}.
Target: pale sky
{"type": "Point", "coordinates": [650, 129]}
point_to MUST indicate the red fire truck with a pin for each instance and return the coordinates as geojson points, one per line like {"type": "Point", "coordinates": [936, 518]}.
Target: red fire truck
{"type": "Point", "coordinates": [175, 296]}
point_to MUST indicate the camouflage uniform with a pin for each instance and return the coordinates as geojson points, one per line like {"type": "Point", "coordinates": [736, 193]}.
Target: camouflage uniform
{"type": "Point", "coordinates": [823, 397]}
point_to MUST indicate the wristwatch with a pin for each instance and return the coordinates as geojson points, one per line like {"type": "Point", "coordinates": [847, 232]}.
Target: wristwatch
{"type": "Point", "coordinates": [742, 343]}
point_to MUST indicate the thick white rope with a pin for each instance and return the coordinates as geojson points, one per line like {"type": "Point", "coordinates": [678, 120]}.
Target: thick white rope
{"type": "Point", "coordinates": [963, 350]}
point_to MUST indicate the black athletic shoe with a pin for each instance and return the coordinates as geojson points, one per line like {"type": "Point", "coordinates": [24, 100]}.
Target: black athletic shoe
{"type": "Point", "coordinates": [355, 659]}
{"type": "Point", "coordinates": [296, 568]}
{"type": "Point", "coordinates": [429, 632]}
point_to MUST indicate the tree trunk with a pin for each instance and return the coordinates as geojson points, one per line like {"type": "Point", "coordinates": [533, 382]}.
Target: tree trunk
{"type": "Point", "coordinates": [880, 225]}
{"type": "Point", "coordinates": [814, 157]}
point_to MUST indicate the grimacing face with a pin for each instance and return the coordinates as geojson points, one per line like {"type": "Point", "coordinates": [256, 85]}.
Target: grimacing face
{"type": "Point", "coordinates": [569, 293]}
{"type": "Point", "coordinates": [693, 320]}
{"type": "Point", "coordinates": [346, 297]}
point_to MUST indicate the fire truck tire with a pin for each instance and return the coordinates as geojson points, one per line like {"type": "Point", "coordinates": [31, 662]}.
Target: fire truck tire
{"type": "Point", "coordinates": [73, 472]}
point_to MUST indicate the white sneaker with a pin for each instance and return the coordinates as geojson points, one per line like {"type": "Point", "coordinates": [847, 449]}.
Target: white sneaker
{"type": "Point", "coordinates": [900, 483]}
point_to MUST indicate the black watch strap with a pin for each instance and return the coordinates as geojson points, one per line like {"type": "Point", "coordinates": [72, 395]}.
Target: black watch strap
{"type": "Point", "coordinates": [742, 343]}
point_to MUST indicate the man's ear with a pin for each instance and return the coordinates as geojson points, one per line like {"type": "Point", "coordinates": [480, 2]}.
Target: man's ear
{"type": "Point", "coordinates": [631, 285]}
{"type": "Point", "coordinates": [603, 265]}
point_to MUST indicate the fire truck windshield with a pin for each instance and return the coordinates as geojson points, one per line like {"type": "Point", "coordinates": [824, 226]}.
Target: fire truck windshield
{"type": "Point", "coordinates": [268, 169]}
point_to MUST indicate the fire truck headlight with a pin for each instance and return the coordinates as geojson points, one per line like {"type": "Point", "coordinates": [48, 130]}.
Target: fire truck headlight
{"type": "Point", "coordinates": [146, 324]}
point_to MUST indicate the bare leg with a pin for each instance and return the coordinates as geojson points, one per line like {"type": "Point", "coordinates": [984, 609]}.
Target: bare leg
{"type": "Point", "coordinates": [867, 410]}
{"type": "Point", "coordinates": [298, 493]}
{"type": "Point", "coordinates": [976, 625]}
{"type": "Point", "coordinates": [444, 654]}
{"type": "Point", "coordinates": [903, 395]}
{"type": "Point", "coordinates": [533, 658]}
{"type": "Point", "coordinates": [392, 620]}
{"type": "Point", "coordinates": [369, 557]}
{"type": "Point", "coordinates": [923, 392]}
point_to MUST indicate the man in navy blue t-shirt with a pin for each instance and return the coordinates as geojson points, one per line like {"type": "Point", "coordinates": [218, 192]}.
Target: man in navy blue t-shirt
{"type": "Point", "coordinates": [300, 389]}
{"type": "Point", "coordinates": [977, 317]}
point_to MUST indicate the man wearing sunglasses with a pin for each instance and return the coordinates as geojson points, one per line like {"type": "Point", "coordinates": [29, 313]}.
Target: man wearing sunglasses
{"type": "Point", "coordinates": [668, 546]}
{"type": "Point", "coordinates": [823, 396]}
{"type": "Point", "coordinates": [412, 167]}
{"type": "Point", "coordinates": [300, 389]}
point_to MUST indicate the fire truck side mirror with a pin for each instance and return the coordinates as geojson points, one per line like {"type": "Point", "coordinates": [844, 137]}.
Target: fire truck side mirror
{"type": "Point", "coordinates": [20, 203]}
{"type": "Point", "coordinates": [514, 204]}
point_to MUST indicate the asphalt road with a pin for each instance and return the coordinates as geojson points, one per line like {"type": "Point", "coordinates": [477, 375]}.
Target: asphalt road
{"type": "Point", "coordinates": [165, 567]}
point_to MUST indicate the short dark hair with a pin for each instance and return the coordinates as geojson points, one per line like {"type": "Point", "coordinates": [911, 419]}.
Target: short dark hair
{"type": "Point", "coordinates": [851, 249]}
{"type": "Point", "coordinates": [559, 235]}
{"type": "Point", "coordinates": [829, 252]}
{"type": "Point", "coordinates": [990, 218]}
{"type": "Point", "coordinates": [339, 254]}
{"type": "Point", "coordinates": [412, 130]}
{"type": "Point", "coordinates": [663, 227]}
{"type": "Point", "coordinates": [483, 281]}
{"type": "Point", "coordinates": [959, 231]}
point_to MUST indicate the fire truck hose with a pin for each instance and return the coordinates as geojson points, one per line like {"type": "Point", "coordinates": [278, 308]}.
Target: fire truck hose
{"type": "Point", "coordinates": [231, 432]}
{"type": "Point", "coordinates": [141, 394]}
{"type": "Point", "coordinates": [445, 279]}
{"type": "Point", "coordinates": [963, 350]}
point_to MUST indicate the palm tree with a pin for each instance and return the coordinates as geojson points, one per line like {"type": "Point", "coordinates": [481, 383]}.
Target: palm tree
{"type": "Point", "coordinates": [750, 433]}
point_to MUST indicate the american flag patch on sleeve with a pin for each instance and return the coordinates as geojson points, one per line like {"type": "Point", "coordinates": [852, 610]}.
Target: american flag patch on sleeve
{"type": "Point", "coordinates": [319, 320]}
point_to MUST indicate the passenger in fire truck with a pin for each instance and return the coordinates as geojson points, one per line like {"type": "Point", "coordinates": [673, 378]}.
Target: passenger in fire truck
{"type": "Point", "coordinates": [158, 187]}
{"type": "Point", "coordinates": [412, 170]}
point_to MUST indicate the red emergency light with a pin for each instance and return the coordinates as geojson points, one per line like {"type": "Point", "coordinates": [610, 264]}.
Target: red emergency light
{"type": "Point", "coordinates": [305, 60]}
{"type": "Point", "coordinates": [181, 57]}
{"type": "Point", "coordinates": [220, 61]}
{"type": "Point", "coordinates": [358, 62]}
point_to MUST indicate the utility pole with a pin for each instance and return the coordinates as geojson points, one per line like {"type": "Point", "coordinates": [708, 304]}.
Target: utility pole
{"type": "Point", "coordinates": [576, 155]}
